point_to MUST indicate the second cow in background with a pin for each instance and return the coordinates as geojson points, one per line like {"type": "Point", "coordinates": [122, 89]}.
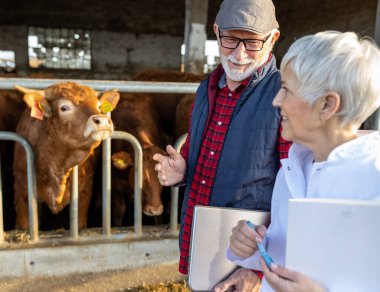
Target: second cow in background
{"type": "Point", "coordinates": [166, 104]}
{"type": "Point", "coordinates": [137, 116]}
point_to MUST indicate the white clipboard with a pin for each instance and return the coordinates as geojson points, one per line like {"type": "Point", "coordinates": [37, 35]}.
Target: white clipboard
{"type": "Point", "coordinates": [336, 242]}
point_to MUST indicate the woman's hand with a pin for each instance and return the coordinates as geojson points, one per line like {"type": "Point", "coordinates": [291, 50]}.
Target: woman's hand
{"type": "Point", "coordinates": [242, 280]}
{"type": "Point", "coordinates": [243, 239]}
{"type": "Point", "coordinates": [282, 279]}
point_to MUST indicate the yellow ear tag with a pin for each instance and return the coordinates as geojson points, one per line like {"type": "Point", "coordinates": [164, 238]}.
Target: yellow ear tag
{"type": "Point", "coordinates": [37, 112]}
{"type": "Point", "coordinates": [106, 107]}
{"type": "Point", "coordinates": [121, 162]}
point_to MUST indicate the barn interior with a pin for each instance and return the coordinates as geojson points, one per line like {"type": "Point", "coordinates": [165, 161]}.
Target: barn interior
{"type": "Point", "coordinates": [119, 40]}
{"type": "Point", "coordinates": [116, 39]}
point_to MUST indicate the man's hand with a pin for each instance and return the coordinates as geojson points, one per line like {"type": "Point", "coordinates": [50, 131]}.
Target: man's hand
{"type": "Point", "coordinates": [170, 169]}
{"type": "Point", "coordinates": [242, 280]}
{"type": "Point", "coordinates": [243, 239]}
{"type": "Point", "coordinates": [284, 280]}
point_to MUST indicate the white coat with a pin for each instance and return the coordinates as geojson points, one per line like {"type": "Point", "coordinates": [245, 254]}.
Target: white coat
{"type": "Point", "coordinates": [351, 171]}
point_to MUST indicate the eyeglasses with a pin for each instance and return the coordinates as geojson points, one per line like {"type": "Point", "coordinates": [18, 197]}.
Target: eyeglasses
{"type": "Point", "coordinates": [229, 42]}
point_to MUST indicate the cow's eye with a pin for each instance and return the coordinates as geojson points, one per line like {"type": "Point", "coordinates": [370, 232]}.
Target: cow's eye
{"type": "Point", "coordinates": [64, 108]}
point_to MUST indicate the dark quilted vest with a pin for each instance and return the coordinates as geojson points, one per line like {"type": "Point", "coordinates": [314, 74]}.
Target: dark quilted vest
{"type": "Point", "coordinates": [249, 161]}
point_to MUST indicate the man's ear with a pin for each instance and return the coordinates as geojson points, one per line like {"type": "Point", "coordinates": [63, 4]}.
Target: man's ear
{"type": "Point", "coordinates": [216, 30]}
{"type": "Point", "coordinates": [275, 37]}
{"type": "Point", "coordinates": [330, 105]}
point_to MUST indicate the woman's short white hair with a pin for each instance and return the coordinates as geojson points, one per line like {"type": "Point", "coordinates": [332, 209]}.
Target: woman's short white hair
{"type": "Point", "coordinates": [340, 62]}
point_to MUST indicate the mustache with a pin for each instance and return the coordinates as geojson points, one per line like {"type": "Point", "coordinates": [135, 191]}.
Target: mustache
{"type": "Point", "coordinates": [246, 61]}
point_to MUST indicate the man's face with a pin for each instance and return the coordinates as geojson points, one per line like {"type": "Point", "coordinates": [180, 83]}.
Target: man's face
{"type": "Point", "coordinates": [240, 63]}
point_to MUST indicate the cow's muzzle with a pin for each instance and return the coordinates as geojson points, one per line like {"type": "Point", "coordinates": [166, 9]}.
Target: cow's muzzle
{"type": "Point", "coordinates": [99, 127]}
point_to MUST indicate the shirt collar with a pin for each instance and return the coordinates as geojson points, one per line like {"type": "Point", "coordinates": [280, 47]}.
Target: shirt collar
{"type": "Point", "coordinates": [223, 81]}
{"type": "Point", "coordinates": [367, 142]}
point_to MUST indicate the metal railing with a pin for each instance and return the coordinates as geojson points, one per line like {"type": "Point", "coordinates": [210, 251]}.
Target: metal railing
{"type": "Point", "coordinates": [102, 85]}
{"type": "Point", "coordinates": [138, 181]}
{"type": "Point", "coordinates": [175, 190]}
{"type": "Point", "coordinates": [32, 188]}
{"type": "Point", "coordinates": [123, 86]}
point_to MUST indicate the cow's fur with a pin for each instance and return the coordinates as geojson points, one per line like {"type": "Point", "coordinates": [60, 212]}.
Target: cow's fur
{"type": "Point", "coordinates": [182, 115]}
{"type": "Point", "coordinates": [166, 104]}
{"type": "Point", "coordinates": [60, 141]}
{"type": "Point", "coordinates": [136, 115]}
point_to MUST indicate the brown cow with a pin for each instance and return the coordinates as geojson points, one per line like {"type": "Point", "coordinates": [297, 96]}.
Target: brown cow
{"type": "Point", "coordinates": [72, 126]}
{"type": "Point", "coordinates": [166, 104]}
{"type": "Point", "coordinates": [182, 115]}
{"type": "Point", "coordinates": [137, 116]}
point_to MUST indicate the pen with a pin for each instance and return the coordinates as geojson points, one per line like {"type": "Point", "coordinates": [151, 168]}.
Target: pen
{"type": "Point", "coordinates": [268, 260]}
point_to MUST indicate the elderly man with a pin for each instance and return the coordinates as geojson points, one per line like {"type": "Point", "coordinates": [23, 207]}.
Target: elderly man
{"type": "Point", "coordinates": [232, 152]}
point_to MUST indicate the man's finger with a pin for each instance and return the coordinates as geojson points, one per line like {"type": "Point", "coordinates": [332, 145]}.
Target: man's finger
{"type": "Point", "coordinates": [157, 167]}
{"type": "Point", "coordinates": [158, 157]}
{"type": "Point", "coordinates": [223, 286]}
{"type": "Point", "coordinates": [171, 151]}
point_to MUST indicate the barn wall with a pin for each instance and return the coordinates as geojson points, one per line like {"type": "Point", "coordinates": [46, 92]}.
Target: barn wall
{"type": "Point", "coordinates": [129, 36]}
{"type": "Point", "coordinates": [120, 54]}
{"type": "Point", "coordinates": [299, 17]}
{"type": "Point", "coordinates": [115, 55]}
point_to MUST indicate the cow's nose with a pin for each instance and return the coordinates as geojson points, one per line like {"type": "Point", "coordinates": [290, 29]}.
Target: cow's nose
{"type": "Point", "coordinates": [101, 120]}
{"type": "Point", "coordinates": [153, 211]}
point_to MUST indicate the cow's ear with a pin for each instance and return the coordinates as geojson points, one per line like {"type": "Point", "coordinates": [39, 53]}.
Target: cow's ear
{"type": "Point", "coordinates": [121, 160]}
{"type": "Point", "coordinates": [31, 98]}
{"type": "Point", "coordinates": [28, 90]}
{"type": "Point", "coordinates": [143, 138]}
{"type": "Point", "coordinates": [109, 101]}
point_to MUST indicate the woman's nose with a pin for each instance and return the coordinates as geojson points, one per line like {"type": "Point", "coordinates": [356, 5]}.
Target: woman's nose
{"type": "Point", "coordinates": [277, 100]}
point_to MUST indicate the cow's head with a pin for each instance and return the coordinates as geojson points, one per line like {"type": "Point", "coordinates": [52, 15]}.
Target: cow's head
{"type": "Point", "coordinates": [152, 189]}
{"type": "Point", "coordinates": [75, 112]}
{"type": "Point", "coordinates": [72, 122]}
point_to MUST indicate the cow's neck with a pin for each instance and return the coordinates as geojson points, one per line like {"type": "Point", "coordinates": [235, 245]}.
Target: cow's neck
{"type": "Point", "coordinates": [55, 160]}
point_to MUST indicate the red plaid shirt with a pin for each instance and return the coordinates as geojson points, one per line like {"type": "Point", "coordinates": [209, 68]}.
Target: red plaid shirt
{"type": "Point", "coordinates": [205, 171]}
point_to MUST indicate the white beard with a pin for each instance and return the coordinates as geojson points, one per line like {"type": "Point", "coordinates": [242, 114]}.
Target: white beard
{"type": "Point", "coordinates": [238, 75]}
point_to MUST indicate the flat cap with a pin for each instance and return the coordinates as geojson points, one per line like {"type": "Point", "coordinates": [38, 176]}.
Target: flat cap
{"type": "Point", "coordinates": [257, 16]}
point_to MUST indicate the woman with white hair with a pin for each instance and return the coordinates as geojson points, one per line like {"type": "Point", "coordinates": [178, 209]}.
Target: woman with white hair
{"type": "Point", "coordinates": [330, 85]}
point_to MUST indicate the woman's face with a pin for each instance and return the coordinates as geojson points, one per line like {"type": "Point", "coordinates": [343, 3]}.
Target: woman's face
{"type": "Point", "coordinates": [299, 121]}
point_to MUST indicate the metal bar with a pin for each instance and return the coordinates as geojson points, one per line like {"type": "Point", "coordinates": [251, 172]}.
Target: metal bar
{"type": "Point", "coordinates": [106, 187]}
{"type": "Point", "coordinates": [377, 24]}
{"type": "Point", "coordinates": [32, 187]}
{"type": "Point", "coordinates": [101, 85]}
{"type": "Point", "coordinates": [74, 203]}
{"type": "Point", "coordinates": [374, 119]}
{"type": "Point", "coordinates": [138, 177]}
{"type": "Point", "coordinates": [1, 208]}
{"type": "Point", "coordinates": [174, 191]}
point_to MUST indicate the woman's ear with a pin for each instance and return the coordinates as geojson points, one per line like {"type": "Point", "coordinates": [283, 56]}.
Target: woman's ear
{"type": "Point", "coordinates": [330, 105]}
